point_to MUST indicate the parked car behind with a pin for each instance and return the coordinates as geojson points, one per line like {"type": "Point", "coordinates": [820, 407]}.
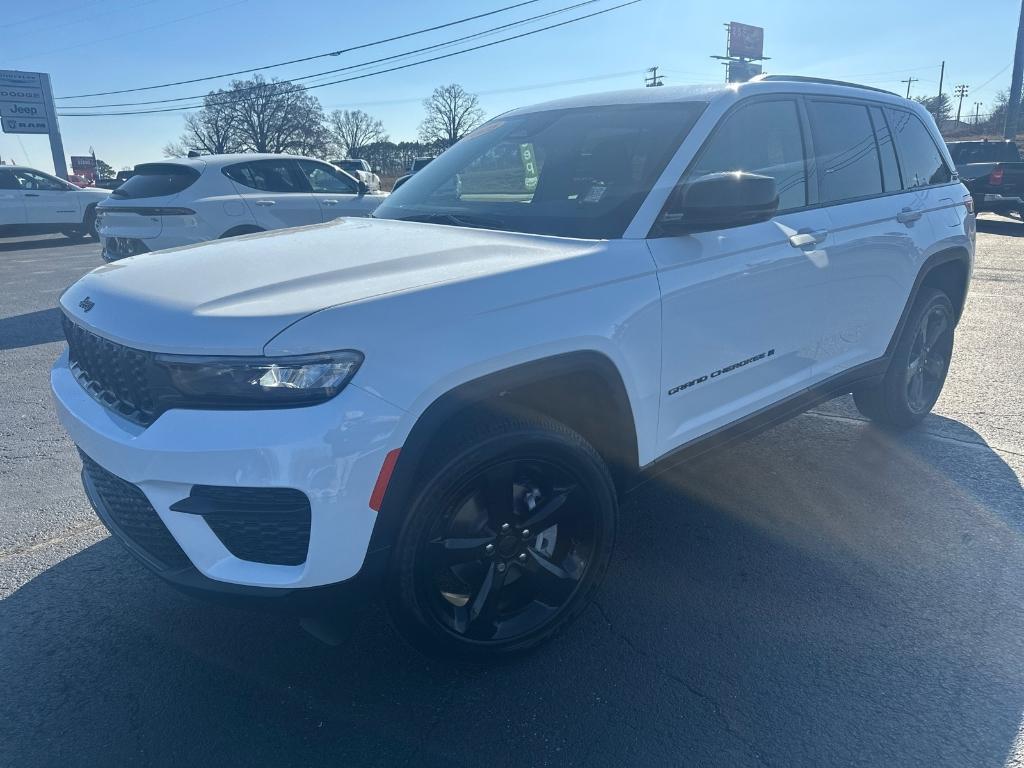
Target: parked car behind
{"type": "Point", "coordinates": [117, 181]}
{"type": "Point", "coordinates": [35, 202]}
{"type": "Point", "coordinates": [187, 201]}
{"type": "Point", "coordinates": [993, 172]}
{"type": "Point", "coordinates": [361, 170]}
{"type": "Point", "coordinates": [418, 164]}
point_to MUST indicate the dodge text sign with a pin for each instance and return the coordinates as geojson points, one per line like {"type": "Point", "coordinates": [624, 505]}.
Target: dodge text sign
{"type": "Point", "coordinates": [24, 107]}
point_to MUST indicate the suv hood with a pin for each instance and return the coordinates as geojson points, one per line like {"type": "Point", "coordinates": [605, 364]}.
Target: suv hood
{"type": "Point", "coordinates": [232, 296]}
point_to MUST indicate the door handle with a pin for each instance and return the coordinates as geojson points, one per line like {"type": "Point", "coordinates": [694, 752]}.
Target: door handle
{"type": "Point", "coordinates": [807, 238]}
{"type": "Point", "coordinates": [31, 194]}
{"type": "Point", "coordinates": [265, 203]}
{"type": "Point", "coordinates": [329, 202]}
{"type": "Point", "coordinates": [908, 216]}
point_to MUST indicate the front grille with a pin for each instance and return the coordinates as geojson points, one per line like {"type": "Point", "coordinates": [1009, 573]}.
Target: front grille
{"type": "Point", "coordinates": [116, 375]}
{"type": "Point", "coordinates": [133, 517]}
{"type": "Point", "coordinates": [262, 525]}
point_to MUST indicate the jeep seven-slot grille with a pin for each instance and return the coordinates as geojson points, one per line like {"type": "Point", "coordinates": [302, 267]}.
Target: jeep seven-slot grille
{"type": "Point", "coordinates": [132, 517]}
{"type": "Point", "coordinates": [116, 375]}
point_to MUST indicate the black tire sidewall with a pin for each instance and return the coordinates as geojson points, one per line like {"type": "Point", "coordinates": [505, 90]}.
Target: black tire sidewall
{"type": "Point", "coordinates": [407, 597]}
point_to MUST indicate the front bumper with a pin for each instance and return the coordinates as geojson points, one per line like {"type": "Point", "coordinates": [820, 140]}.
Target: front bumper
{"type": "Point", "coordinates": [331, 452]}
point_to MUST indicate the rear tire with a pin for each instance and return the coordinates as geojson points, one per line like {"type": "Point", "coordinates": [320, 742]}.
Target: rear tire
{"type": "Point", "coordinates": [88, 228]}
{"type": "Point", "coordinates": [918, 368]}
{"type": "Point", "coordinates": [506, 541]}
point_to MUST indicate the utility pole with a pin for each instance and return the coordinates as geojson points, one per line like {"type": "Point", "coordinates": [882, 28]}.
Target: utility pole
{"type": "Point", "coordinates": [977, 112]}
{"type": "Point", "coordinates": [942, 74]}
{"type": "Point", "coordinates": [654, 79]}
{"type": "Point", "coordinates": [911, 80]}
{"type": "Point", "coordinates": [1013, 105]}
{"type": "Point", "coordinates": [961, 92]}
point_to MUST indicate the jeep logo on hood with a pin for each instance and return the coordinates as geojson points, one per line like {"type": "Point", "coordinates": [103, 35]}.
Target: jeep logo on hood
{"type": "Point", "coordinates": [87, 304]}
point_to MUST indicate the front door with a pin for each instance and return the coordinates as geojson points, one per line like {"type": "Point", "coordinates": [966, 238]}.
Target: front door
{"type": "Point", "coordinates": [337, 193]}
{"type": "Point", "coordinates": [741, 307]}
{"type": "Point", "coordinates": [47, 200]}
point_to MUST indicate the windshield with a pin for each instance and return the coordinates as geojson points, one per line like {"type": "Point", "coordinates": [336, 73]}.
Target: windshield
{"type": "Point", "coordinates": [579, 172]}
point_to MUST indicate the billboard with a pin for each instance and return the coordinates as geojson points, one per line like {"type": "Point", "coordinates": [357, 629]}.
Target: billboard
{"type": "Point", "coordinates": [84, 165]}
{"type": "Point", "coordinates": [745, 41]}
{"type": "Point", "coordinates": [742, 71]}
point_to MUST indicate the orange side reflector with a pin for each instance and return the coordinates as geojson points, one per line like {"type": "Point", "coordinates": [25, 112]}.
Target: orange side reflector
{"type": "Point", "coordinates": [381, 487]}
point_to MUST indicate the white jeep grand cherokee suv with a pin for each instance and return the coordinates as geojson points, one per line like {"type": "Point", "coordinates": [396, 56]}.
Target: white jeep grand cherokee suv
{"type": "Point", "coordinates": [444, 401]}
{"type": "Point", "coordinates": [187, 201]}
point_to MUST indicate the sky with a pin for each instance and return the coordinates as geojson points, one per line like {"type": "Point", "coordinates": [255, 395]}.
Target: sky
{"type": "Point", "coordinates": [101, 45]}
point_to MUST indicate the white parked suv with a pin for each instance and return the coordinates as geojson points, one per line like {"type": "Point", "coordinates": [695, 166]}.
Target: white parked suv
{"type": "Point", "coordinates": [442, 403]}
{"type": "Point", "coordinates": [188, 201]}
{"type": "Point", "coordinates": [35, 202]}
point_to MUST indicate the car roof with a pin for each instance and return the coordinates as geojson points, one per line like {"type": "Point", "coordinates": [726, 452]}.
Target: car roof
{"type": "Point", "coordinates": [218, 161]}
{"type": "Point", "coordinates": [712, 92]}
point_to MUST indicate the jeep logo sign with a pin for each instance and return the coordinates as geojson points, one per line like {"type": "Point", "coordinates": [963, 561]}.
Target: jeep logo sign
{"type": "Point", "coordinates": [20, 109]}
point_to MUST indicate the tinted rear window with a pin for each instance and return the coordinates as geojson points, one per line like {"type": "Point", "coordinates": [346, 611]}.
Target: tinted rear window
{"type": "Point", "coordinates": [845, 150]}
{"type": "Point", "coordinates": [984, 152]}
{"type": "Point", "coordinates": [920, 159]}
{"type": "Point", "coordinates": [267, 176]}
{"type": "Point", "coordinates": [157, 180]}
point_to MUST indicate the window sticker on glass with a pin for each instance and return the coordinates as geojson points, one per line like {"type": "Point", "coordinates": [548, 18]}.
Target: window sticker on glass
{"type": "Point", "coordinates": [529, 158]}
{"type": "Point", "coordinates": [595, 193]}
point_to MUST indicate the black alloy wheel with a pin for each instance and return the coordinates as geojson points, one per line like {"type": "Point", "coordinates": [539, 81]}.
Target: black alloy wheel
{"type": "Point", "coordinates": [506, 539]}
{"type": "Point", "coordinates": [928, 359]}
{"type": "Point", "coordinates": [510, 550]}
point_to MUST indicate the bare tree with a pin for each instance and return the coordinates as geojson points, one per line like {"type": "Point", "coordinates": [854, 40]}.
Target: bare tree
{"type": "Point", "coordinates": [212, 130]}
{"type": "Point", "coordinates": [276, 116]}
{"type": "Point", "coordinates": [353, 130]}
{"type": "Point", "coordinates": [452, 113]}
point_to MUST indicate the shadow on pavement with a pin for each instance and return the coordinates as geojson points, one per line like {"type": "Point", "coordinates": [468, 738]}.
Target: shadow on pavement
{"type": "Point", "coordinates": [825, 594]}
{"type": "Point", "coordinates": [27, 330]}
{"type": "Point", "coordinates": [1011, 227]}
{"type": "Point", "coordinates": [35, 242]}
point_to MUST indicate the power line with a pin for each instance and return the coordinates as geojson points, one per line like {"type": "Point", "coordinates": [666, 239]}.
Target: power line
{"type": "Point", "coordinates": [214, 99]}
{"type": "Point", "coordinates": [133, 31]}
{"type": "Point", "coordinates": [378, 72]}
{"type": "Point", "coordinates": [45, 15]}
{"type": "Point", "coordinates": [305, 58]}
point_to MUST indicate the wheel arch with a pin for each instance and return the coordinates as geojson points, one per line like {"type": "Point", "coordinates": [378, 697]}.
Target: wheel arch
{"type": "Point", "coordinates": [583, 390]}
{"type": "Point", "coordinates": [948, 270]}
{"type": "Point", "coordinates": [242, 229]}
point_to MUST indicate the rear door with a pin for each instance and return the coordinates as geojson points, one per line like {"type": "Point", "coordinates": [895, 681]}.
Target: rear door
{"type": "Point", "coordinates": [335, 191]}
{"type": "Point", "coordinates": [880, 222]}
{"type": "Point", "coordinates": [12, 204]}
{"type": "Point", "coordinates": [276, 193]}
{"type": "Point", "coordinates": [47, 200]}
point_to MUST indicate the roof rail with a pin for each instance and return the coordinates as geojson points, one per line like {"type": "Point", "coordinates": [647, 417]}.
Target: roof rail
{"type": "Point", "coordinates": [822, 80]}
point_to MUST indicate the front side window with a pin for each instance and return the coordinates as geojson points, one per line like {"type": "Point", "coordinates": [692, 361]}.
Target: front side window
{"type": "Point", "coordinates": [33, 180]}
{"type": "Point", "coordinates": [763, 137]}
{"type": "Point", "coordinates": [579, 172]}
{"type": "Point", "coordinates": [323, 178]}
{"type": "Point", "coordinates": [844, 150]}
{"type": "Point", "coordinates": [266, 176]}
{"type": "Point", "coordinates": [920, 159]}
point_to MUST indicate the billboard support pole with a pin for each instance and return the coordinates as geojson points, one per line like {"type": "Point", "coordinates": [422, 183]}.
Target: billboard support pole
{"type": "Point", "coordinates": [60, 165]}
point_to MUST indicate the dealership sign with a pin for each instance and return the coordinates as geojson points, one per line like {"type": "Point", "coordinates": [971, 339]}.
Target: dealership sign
{"type": "Point", "coordinates": [24, 106]}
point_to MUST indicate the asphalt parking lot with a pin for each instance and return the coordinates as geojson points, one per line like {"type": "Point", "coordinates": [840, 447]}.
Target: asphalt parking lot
{"type": "Point", "coordinates": [824, 594]}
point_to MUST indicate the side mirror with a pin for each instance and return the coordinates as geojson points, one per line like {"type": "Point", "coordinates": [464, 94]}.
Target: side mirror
{"type": "Point", "coordinates": [720, 201]}
{"type": "Point", "coordinates": [363, 189]}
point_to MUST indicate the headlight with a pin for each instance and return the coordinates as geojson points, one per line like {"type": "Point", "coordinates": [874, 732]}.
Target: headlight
{"type": "Point", "coordinates": [257, 382]}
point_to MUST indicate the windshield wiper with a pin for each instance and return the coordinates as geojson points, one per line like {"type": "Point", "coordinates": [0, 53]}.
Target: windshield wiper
{"type": "Point", "coordinates": [458, 220]}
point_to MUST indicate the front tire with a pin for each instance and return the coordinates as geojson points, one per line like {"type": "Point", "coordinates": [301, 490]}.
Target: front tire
{"type": "Point", "coordinates": [506, 542]}
{"type": "Point", "coordinates": [918, 368]}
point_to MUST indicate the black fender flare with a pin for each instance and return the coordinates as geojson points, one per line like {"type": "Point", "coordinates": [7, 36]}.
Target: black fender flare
{"type": "Point", "coordinates": [463, 398]}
